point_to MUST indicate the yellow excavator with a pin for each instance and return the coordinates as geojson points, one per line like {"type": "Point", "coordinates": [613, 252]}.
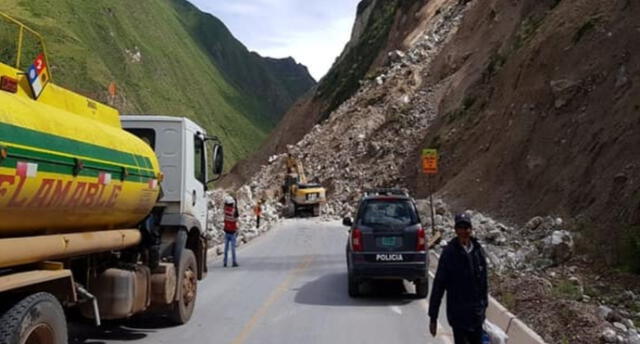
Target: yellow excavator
{"type": "Point", "coordinates": [299, 194]}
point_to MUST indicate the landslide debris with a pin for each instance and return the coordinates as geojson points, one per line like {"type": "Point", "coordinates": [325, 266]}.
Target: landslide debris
{"type": "Point", "coordinates": [531, 106]}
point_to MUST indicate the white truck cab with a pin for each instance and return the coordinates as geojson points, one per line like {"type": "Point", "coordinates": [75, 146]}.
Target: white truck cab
{"type": "Point", "coordinates": [178, 223]}
{"type": "Point", "coordinates": [180, 145]}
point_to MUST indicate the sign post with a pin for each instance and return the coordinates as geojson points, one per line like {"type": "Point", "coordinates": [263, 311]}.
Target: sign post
{"type": "Point", "coordinates": [430, 167]}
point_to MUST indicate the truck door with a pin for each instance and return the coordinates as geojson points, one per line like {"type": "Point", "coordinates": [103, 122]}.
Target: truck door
{"type": "Point", "coordinates": [196, 181]}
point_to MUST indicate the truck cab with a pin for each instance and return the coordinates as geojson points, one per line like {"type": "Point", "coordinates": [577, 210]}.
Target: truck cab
{"type": "Point", "coordinates": [180, 145]}
{"type": "Point", "coordinates": [181, 213]}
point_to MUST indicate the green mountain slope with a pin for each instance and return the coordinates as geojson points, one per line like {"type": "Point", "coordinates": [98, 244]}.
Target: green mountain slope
{"type": "Point", "coordinates": [161, 60]}
{"type": "Point", "coordinates": [272, 84]}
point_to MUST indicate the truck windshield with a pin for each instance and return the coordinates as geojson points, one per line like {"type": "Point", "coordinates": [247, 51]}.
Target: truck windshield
{"type": "Point", "coordinates": [393, 213]}
{"type": "Point", "coordinates": [146, 135]}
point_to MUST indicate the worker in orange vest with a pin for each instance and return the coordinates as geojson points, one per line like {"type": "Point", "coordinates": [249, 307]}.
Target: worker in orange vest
{"type": "Point", "coordinates": [230, 228]}
{"type": "Point", "coordinates": [258, 211]}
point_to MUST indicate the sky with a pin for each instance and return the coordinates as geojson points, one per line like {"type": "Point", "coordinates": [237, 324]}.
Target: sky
{"type": "Point", "coordinates": [313, 32]}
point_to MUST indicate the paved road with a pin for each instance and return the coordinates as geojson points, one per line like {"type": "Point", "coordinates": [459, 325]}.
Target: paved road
{"type": "Point", "coordinates": [291, 287]}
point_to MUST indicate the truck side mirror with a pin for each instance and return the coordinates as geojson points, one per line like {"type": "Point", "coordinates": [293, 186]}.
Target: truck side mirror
{"type": "Point", "coordinates": [347, 222]}
{"type": "Point", "coordinates": [217, 159]}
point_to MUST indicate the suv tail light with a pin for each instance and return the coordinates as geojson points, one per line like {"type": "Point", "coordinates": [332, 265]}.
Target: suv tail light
{"type": "Point", "coordinates": [356, 240]}
{"type": "Point", "coordinates": [422, 241]}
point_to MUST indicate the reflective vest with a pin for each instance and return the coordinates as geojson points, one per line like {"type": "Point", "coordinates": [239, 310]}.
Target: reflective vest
{"type": "Point", "coordinates": [230, 219]}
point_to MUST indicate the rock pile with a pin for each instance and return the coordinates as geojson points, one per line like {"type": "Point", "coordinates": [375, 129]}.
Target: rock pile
{"type": "Point", "coordinates": [540, 243]}
{"type": "Point", "coordinates": [621, 330]}
{"type": "Point", "coordinates": [532, 251]}
{"type": "Point", "coordinates": [365, 141]}
{"type": "Point", "coordinates": [247, 200]}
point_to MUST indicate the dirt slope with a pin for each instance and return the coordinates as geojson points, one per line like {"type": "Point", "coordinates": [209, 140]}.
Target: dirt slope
{"type": "Point", "coordinates": [541, 115]}
{"type": "Point", "coordinates": [534, 108]}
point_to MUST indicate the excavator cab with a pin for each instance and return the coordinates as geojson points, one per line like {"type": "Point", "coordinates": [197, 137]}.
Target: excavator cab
{"type": "Point", "coordinates": [300, 195]}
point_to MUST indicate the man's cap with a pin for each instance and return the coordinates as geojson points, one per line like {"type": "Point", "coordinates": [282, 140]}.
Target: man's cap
{"type": "Point", "coordinates": [462, 220]}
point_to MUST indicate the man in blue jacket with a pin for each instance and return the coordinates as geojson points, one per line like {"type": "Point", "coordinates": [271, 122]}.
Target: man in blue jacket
{"type": "Point", "coordinates": [462, 273]}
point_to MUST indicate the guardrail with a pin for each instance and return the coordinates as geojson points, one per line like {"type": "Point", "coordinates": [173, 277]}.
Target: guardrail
{"type": "Point", "coordinates": [20, 44]}
{"type": "Point", "coordinates": [518, 331]}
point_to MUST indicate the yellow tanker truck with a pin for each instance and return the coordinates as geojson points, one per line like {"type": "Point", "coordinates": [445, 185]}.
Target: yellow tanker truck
{"type": "Point", "coordinates": [97, 211]}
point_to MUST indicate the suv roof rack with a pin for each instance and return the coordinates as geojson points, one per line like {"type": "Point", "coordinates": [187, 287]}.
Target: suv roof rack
{"type": "Point", "coordinates": [386, 192]}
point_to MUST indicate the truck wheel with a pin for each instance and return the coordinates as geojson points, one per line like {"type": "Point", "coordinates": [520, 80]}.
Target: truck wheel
{"type": "Point", "coordinates": [187, 288]}
{"type": "Point", "coordinates": [422, 288]}
{"type": "Point", "coordinates": [354, 286]}
{"type": "Point", "coordinates": [37, 319]}
{"type": "Point", "coordinates": [290, 209]}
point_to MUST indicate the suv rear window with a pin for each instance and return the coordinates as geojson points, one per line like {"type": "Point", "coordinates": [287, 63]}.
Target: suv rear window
{"type": "Point", "coordinates": [393, 213]}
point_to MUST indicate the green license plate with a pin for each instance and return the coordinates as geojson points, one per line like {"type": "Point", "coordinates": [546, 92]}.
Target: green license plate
{"type": "Point", "coordinates": [389, 241]}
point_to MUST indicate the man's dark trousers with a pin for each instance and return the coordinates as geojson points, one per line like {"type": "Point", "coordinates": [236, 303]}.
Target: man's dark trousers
{"type": "Point", "coordinates": [462, 336]}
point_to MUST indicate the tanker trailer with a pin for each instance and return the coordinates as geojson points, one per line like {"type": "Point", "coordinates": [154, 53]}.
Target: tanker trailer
{"type": "Point", "coordinates": [90, 218]}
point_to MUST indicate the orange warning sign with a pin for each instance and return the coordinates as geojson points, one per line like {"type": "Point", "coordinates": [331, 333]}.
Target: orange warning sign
{"type": "Point", "coordinates": [430, 161]}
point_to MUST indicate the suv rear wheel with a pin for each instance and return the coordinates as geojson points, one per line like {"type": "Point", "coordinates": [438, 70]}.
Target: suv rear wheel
{"type": "Point", "coordinates": [354, 286]}
{"type": "Point", "coordinates": [422, 288]}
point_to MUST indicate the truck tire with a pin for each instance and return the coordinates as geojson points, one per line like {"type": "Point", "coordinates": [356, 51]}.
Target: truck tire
{"type": "Point", "coordinates": [422, 288]}
{"type": "Point", "coordinates": [38, 318]}
{"type": "Point", "coordinates": [187, 287]}
{"type": "Point", "coordinates": [290, 209]}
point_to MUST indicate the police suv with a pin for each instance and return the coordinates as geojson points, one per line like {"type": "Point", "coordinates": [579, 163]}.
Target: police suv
{"type": "Point", "coordinates": [387, 241]}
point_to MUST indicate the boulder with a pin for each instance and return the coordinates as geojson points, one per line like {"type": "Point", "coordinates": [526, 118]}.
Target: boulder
{"type": "Point", "coordinates": [634, 338]}
{"type": "Point", "coordinates": [533, 223]}
{"type": "Point", "coordinates": [628, 323]}
{"type": "Point", "coordinates": [495, 236]}
{"type": "Point", "coordinates": [558, 247]}
{"type": "Point", "coordinates": [563, 91]}
{"type": "Point", "coordinates": [575, 281]}
{"type": "Point", "coordinates": [441, 207]}
{"type": "Point", "coordinates": [396, 56]}
{"type": "Point", "coordinates": [620, 326]}
{"type": "Point", "coordinates": [608, 336]}
{"type": "Point", "coordinates": [614, 317]}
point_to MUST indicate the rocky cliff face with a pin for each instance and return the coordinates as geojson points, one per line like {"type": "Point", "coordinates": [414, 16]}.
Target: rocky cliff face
{"type": "Point", "coordinates": [533, 105]}
{"type": "Point", "coordinates": [539, 114]}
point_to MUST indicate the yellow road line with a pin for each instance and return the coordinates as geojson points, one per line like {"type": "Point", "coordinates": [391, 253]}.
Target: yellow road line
{"type": "Point", "coordinates": [275, 296]}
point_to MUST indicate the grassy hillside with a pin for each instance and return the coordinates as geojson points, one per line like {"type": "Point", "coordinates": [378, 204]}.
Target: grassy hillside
{"type": "Point", "coordinates": [158, 66]}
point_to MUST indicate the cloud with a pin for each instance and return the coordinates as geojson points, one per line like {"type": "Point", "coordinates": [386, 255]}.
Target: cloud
{"type": "Point", "coordinates": [312, 32]}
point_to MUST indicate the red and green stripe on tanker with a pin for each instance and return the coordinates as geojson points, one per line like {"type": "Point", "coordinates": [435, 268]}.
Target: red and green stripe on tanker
{"type": "Point", "coordinates": [115, 162]}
